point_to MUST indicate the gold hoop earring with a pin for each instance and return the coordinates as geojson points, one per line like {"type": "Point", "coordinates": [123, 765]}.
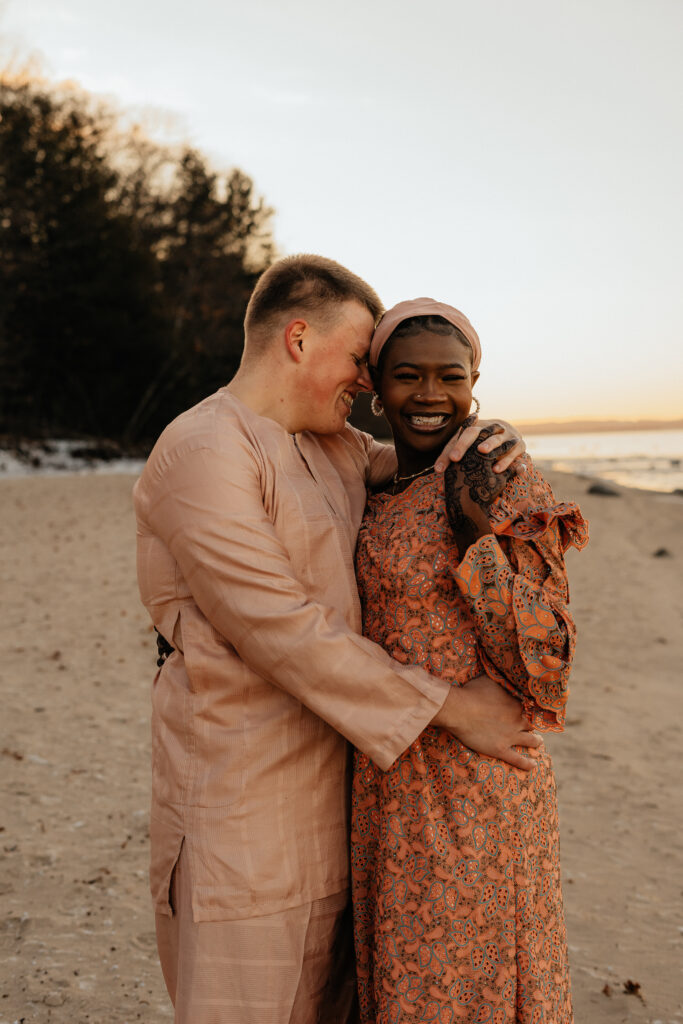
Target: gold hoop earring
{"type": "Point", "coordinates": [477, 406]}
{"type": "Point", "coordinates": [376, 406]}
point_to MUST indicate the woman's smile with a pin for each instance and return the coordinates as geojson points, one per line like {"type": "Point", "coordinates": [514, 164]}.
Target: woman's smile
{"type": "Point", "coordinates": [426, 390]}
{"type": "Point", "coordinates": [426, 423]}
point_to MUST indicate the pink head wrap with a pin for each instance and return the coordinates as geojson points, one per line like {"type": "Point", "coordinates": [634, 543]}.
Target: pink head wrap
{"type": "Point", "coordinates": [422, 307]}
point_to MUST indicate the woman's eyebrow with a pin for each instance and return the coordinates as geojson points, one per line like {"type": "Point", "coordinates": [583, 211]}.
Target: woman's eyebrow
{"type": "Point", "coordinates": [441, 366]}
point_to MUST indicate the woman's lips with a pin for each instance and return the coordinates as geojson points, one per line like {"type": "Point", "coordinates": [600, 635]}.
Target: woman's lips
{"type": "Point", "coordinates": [426, 423]}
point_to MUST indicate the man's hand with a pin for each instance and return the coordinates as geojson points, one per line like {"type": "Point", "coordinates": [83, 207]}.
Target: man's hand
{"type": "Point", "coordinates": [501, 433]}
{"type": "Point", "coordinates": [488, 719]}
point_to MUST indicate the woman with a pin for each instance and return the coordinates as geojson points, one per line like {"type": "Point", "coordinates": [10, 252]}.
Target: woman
{"type": "Point", "coordinates": [455, 856]}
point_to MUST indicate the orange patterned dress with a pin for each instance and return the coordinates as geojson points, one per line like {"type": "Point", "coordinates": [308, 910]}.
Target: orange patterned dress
{"type": "Point", "coordinates": [455, 857]}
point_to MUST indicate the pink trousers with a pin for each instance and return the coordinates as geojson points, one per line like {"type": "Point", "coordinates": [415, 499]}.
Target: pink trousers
{"type": "Point", "coordinates": [293, 967]}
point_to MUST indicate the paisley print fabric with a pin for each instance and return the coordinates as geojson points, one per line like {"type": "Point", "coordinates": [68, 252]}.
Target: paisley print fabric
{"type": "Point", "coordinates": [455, 857]}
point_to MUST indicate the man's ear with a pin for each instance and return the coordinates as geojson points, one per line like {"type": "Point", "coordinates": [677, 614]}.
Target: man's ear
{"type": "Point", "coordinates": [295, 332]}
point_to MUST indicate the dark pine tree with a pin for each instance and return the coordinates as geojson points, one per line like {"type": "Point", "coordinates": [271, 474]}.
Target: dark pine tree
{"type": "Point", "coordinates": [124, 271]}
{"type": "Point", "coordinates": [210, 236]}
{"type": "Point", "coordinates": [79, 333]}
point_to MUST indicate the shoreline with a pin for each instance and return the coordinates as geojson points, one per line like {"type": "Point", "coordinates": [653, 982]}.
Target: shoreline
{"type": "Point", "coordinates": [59, 462]}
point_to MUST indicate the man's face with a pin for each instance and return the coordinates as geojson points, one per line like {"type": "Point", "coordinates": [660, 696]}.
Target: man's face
{"type": "Point", "coordinates": [335, 367]}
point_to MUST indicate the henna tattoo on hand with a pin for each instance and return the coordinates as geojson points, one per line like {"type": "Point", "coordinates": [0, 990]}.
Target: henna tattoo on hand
{"type": "Point", "coordinates": [465, 530]}
{"type": "Point", "coordinates": [470, 487]}
{"type": "Point", "coordinates": [476, 470]}
{"type": "Point", "coordinates": [469, 422]}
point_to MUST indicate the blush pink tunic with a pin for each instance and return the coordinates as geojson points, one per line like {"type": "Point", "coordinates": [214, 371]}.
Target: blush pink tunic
{"type": "Point", "coordinates": [246, 538]}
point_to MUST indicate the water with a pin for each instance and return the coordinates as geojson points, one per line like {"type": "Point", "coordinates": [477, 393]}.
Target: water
{"type": "Point", "coordinates": [649, 459]}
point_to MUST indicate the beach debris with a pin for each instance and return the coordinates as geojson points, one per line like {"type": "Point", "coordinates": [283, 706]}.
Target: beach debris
{"type": "Point", "coordinates": [607, 989]}
{"type": "Point", "coordinates": [36, 759]}
{"type": "Point", "coordinates": [661, 553]}
{"type": "Point", "coordinates": [6, 752]}
{"type": "Point", "coordinates": [632, 988]}
{"type": "Point", "coordinates": [54, 999]}
{"type": "Point", "coordinates": [606, 490]}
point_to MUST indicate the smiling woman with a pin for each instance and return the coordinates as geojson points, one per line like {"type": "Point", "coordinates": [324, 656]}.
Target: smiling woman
{"type": "Point", "coordinates": [425, 383]}
{"type": "Point", "coordinates": [424, 378]}
{"type": "Point", "coordinates": [455, 857]}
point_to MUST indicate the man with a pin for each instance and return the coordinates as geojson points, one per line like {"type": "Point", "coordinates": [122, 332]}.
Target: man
{"type": "Point", "coordinates": [248, 511]}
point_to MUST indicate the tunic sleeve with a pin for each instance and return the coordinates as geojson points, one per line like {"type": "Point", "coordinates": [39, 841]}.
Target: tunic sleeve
{"type": "Point", "coordinates": [515, 583]}
{"type": "Point", "coordinates": [381, 462]}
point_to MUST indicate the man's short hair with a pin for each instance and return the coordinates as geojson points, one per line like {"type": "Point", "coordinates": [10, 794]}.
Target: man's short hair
{"type": "Point", "coordinates": [304, 284]}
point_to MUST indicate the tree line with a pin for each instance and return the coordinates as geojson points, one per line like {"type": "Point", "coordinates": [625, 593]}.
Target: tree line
{"type": "Point", "coordinates": [125, 269]}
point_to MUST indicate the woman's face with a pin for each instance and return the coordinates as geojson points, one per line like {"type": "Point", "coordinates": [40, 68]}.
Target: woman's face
{"type": "Point", "coordinates": [426, 390]}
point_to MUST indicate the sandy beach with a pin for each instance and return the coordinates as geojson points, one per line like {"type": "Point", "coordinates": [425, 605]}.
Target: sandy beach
{"type": "Point", "coordinates": [76, 927]}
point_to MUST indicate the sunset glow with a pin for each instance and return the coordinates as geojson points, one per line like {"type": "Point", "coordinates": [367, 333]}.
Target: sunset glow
{"type": "Point", "coordinates": [518, 161]}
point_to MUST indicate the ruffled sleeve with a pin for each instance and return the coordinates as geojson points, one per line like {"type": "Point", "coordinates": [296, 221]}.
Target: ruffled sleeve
{"type": "Point", "coordinates": [515, 583]}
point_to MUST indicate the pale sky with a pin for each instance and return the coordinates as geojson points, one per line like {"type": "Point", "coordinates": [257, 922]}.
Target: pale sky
{"type": "Point", "coordinates": [522, 161]}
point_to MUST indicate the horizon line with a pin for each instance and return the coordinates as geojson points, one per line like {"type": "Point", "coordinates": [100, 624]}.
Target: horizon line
{"type": "Point", "coordinates": [597, 425]}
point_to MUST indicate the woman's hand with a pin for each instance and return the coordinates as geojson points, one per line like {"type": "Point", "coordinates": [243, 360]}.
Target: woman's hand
{"type": "Point", "coordinates": [476, 472]}
{"type": "Point", "coordinates": [501, 434]}
{"type": "Point", "coordinates": [470, 486]}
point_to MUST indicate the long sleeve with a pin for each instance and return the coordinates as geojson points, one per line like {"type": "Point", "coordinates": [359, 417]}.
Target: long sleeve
{"type": "Point", "coordinates": [381, 462]}
{"type": "Point", "coordinates": [515, 583]}
{"type": "Point", "coordinates": [208, 509]}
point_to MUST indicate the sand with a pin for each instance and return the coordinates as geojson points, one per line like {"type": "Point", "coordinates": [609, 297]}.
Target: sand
{"type": "Point", "coordinates": [76, 925]}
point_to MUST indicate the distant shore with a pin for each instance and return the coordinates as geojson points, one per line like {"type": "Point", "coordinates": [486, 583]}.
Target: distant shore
{"type": "Point", "coordinates": [595, 426]}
